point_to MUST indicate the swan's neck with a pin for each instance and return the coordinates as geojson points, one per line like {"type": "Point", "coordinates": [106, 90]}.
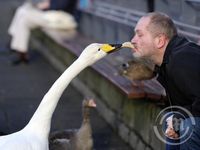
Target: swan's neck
{"type": "Point", "coordinates": [41, 120]}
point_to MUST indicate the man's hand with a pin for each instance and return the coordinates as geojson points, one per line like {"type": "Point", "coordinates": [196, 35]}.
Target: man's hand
{"type": "Point", "coordinates": [170, 132]}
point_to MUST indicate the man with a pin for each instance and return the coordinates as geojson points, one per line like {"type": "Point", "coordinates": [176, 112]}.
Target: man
{"type": "Point", "coordinates": [32, 15]}
{"type": "Point", "coordinates": [178, 63]}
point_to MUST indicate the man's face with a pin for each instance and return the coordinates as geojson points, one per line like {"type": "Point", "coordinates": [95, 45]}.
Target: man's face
{"type": "Point", "coordinates": [143, 40]}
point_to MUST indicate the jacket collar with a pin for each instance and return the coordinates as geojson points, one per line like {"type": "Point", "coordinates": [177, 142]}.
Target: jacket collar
{"type": "Point", "coordinates": [168, 50]}
{"type": "Point", "coordinates": [173, 44]}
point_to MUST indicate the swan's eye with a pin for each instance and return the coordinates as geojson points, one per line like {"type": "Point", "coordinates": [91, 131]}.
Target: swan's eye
{"type": "Point", "coordinates": [99, 49]}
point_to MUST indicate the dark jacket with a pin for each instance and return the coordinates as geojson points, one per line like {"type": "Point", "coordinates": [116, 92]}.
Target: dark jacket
{"type": "Point", "coordinates": [180, 74]}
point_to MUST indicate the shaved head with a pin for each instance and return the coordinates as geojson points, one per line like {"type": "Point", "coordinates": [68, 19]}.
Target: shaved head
{"type": "Point", "coordinates": [161, 24]}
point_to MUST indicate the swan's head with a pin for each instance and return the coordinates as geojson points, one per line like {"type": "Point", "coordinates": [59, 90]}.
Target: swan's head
{"type": "Point", "coordinates": [96, 51]}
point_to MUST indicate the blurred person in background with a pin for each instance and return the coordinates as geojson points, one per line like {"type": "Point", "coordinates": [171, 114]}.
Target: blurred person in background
{"type": "Point", "coordinates": [177, 63]}
{"type": "Point", "coordinates": [38, 13]}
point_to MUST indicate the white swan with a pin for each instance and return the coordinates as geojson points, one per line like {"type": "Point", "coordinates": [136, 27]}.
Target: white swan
{"type": "Point", "coordinates": [34, 136]}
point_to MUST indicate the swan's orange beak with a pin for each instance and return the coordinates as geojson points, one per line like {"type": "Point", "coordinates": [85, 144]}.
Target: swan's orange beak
{"type": "Point", "coordinates": [109, 48]}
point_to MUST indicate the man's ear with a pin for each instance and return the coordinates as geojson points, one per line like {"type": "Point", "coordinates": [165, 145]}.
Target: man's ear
{"type": "Point", "coordinates": [160, 41]}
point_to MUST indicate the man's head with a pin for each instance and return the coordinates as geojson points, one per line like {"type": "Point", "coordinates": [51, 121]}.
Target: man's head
{"type": "Point", "coordinates": [152, 34]}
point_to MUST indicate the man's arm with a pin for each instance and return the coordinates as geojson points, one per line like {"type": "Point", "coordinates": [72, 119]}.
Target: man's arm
{"type": "Point", "coordinates": [187, 77]}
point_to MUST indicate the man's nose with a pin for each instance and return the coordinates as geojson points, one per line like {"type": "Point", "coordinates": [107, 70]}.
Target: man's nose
{"type": "Point", "coordinates": [133, 40]}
